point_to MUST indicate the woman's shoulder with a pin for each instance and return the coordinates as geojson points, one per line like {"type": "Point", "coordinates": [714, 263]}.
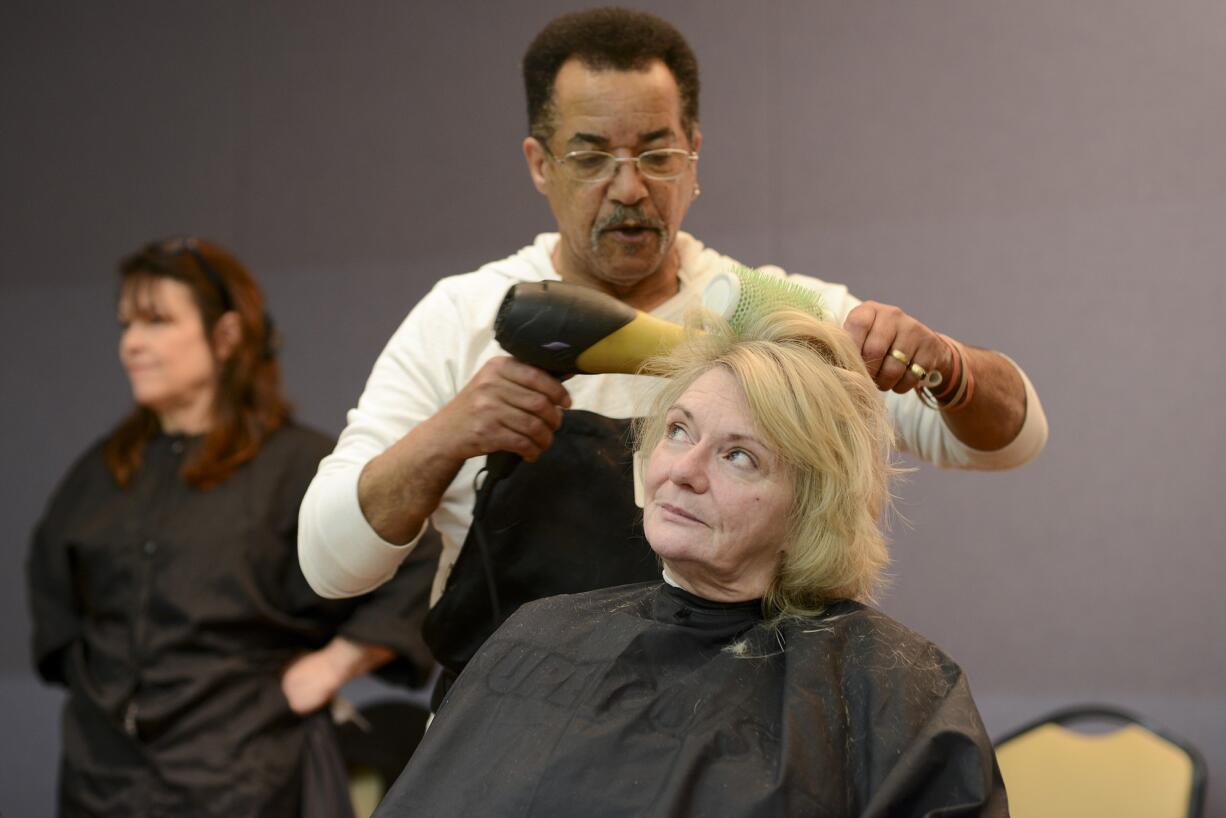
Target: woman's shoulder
{"type": "Point", "coordinates": [866, 637]}
{"type": "Point", "coordinates": [87, 480]}
{"type": "Point", "coordinates": [572, 608]}
{"type": "Point", "coordinates": [88, 468]}
{"type": "Point", "coordinates": [295, 432]}
{"type": "Point", "coordinates": [293, 440]}
{"type": "Point", "coordinates": [286, 462]}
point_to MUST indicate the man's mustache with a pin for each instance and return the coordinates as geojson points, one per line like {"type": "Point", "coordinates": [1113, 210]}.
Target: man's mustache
{"type": "Point", "coordinates": [623, 216]}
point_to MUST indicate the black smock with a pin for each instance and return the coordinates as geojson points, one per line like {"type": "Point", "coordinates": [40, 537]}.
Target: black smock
{"type": "Point", "coordinates": [563, 524]}
{"type": "Point", "coordinates": [628, 702]}
{"type": "Point", "coordinates": [170, 613]}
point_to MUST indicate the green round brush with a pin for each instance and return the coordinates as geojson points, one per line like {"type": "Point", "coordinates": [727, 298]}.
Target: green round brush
{"type": "Point", "coordinates": [741, 294]}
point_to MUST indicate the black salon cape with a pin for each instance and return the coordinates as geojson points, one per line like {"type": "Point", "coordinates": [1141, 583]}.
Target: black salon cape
{"type": "Point", "coordinates": [624, 702]}
{"type": "Point", "coordinates": [170, 613]}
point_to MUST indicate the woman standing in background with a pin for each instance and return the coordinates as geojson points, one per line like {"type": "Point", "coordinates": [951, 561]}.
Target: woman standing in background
{"type": "Point", "coordinates": [164, 578]}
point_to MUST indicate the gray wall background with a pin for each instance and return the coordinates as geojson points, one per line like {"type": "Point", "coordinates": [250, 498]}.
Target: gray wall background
{"type": "Point", "coordinates": [1047, 178]}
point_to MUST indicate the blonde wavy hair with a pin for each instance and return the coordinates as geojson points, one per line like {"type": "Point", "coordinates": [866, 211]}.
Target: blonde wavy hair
{"type": "Point", "coordinates": [814, 404]}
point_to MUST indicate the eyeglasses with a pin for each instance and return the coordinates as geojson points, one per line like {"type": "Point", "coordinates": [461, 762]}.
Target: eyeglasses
{"type": "Point", "coordinates": [661, 164]}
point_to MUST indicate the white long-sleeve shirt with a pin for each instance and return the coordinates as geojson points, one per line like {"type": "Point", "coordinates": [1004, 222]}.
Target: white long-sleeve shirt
{"type": "Point", "coordinates": [449, 335]}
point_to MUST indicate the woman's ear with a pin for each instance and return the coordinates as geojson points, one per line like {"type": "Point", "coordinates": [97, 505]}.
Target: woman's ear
{"type": "Point", "coordinates": [227, 335]}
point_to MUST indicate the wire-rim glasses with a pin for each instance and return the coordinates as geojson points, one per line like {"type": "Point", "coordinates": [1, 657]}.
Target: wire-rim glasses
{"type": "Point", "coordinates": [658, 164]}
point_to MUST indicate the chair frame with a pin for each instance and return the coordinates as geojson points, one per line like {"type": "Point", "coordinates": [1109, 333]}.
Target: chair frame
{"type": "Point", "coordinates": [1082, 712]}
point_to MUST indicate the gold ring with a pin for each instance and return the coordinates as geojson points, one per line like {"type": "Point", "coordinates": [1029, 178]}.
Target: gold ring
{"type": "Point", "coordinates": [918, 371]}
{"type": "Point", "coordinates": [900, 356]}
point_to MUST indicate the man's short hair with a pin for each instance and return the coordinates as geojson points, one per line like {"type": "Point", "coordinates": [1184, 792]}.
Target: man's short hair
{"type": "Point", "coordinates": [606, 38]}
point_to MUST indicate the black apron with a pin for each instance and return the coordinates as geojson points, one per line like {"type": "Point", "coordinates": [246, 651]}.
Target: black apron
{"type": "Point", "coordinates": [562, 525]}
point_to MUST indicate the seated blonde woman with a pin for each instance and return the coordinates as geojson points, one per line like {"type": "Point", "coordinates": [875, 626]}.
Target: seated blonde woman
{"type": "Point", "coordinates": [753, 680]}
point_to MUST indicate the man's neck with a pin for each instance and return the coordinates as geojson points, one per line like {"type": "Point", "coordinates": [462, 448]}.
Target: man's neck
{"type": "Point", "coordinates": [645, 295]}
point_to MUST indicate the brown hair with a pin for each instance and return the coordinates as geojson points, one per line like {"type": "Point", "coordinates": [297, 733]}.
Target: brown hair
{"type": "Point", "coordinates": [248, 404]}
{"type": "Point", "coordinates": [606, 38]}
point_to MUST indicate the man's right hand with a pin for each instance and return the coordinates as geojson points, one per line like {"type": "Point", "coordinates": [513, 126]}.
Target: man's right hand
{"type": "Point", "coordinates": [507, 406]}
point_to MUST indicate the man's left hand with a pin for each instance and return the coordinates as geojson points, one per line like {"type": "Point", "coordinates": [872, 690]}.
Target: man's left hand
{"type": "Point", "coordinates": [879, 329]}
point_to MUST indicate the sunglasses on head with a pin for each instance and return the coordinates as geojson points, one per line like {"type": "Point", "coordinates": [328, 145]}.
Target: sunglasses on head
{"type": "Point", "coordinates": [191, 247]}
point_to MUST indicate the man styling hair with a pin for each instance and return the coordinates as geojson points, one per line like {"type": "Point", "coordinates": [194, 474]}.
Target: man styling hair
{"type": "Point", "coordinates": [613, 145]}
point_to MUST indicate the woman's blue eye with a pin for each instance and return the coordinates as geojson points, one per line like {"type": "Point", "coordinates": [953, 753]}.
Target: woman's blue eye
{"type": "Point", "coordinates": [741, 457]}
{"type": "Point", "coordinates": [675, 431]}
